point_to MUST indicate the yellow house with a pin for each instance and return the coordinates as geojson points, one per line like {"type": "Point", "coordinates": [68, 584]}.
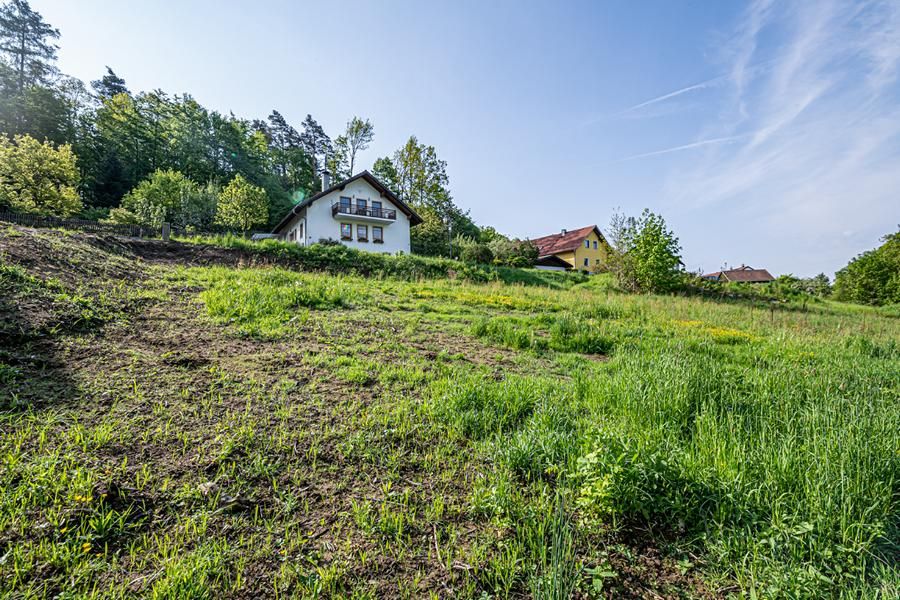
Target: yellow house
{"type": "Point", "coordinates": [585, 249]}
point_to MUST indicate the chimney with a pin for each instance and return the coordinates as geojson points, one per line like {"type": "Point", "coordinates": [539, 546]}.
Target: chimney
{"type": "Point", "coordinates": [563, 232]}
{"type": "Point", "coordinates": [326, 180]}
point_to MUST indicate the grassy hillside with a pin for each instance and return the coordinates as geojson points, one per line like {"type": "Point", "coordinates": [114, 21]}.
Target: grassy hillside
{"type": "Point", "coordinates": [194, 421]}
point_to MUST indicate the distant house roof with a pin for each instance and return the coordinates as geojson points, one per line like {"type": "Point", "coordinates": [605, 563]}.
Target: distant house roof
{"type": "Point", "coordinates": [743, 274]}
{"type": "Point", "coordinates": [414, 219]}
{"type": "Point", "coordinates": [565, 241]}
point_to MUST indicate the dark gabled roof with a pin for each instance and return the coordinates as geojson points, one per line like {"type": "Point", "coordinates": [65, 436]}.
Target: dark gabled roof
{"type": "Point", "coordinates": [564, 242]}
{"type": "Point", "coordinates": [743, 274]}
{"type": "Point", "coordinates": [414, 219]}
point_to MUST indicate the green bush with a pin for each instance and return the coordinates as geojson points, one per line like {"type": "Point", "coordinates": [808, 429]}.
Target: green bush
{"type": "Point", "coordinates": [339, 259]}
{"type": "Point", "coordinates": [873, 277]}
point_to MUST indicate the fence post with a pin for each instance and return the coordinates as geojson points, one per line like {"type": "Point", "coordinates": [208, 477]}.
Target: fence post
{"type": "Point", "coordinates": [166, 230]}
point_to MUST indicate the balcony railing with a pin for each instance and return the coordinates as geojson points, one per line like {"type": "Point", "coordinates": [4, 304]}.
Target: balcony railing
{"type": "Point", "coordinates": [358, 211]}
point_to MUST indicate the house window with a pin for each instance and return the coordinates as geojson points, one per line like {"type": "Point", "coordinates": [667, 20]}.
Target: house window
{"type": "Point", "coordinates": [376, 210]}
{"type": "Point", "coordinates": [300, 235]}
{"type": "Point", "coordinates": [345, 204]}
{"type": "Point", "coordinates": [587, 243]}
{"type": "Point", "coordinates": [377, 234]}
{"type": "Point", "coordinates": [360, 206]}
{"type": "Point", "coordinates": [598, 261]}
{"type": "Point", "coordinates": [586, 262]}
{"type": "Point", "coordinates": [595, 245]}
{"type": "Point", "coordinates": [346, 231]}
{"type": "Point", "coordinates": [362, 233]}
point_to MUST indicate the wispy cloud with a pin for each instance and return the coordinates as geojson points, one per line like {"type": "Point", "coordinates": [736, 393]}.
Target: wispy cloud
{"type": "Point", "coordinates": [813, 141]}
{"type": "Point", "coordinates": [690, 146]}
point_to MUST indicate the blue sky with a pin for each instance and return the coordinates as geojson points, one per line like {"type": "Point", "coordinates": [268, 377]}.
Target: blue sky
{"type": "Point", "coordinates": [766, 132]}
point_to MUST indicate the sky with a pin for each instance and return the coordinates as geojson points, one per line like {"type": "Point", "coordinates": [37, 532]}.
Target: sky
{"type": "Point", "coordinates": [766, 132]}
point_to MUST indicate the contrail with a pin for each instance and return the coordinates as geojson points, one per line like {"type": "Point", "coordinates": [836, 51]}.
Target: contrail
{"type": "Point", "coordinates": [721, 140]}
{"type": "Point", "coordinates": [685, 90]}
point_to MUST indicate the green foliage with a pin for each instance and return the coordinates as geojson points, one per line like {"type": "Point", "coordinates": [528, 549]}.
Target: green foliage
{"type": "Point", "coordinates": [472, 251]}
{"type": "Point", "coordinates": [37, 178]}
{"type": "Point", "coordinates": [513, 252]}
{"type": "Point", "coordinates": [419, 177]}
{"type": "Point", "coordinates": [168, 197]}
{"type": "Point", "coordinates": [646, 254]}
{"type": "Point", "coordinates": [873, 277]}
{"type": "Point", "coordinates": [356, 138]}
{"type": "Point", "coordinates": [28, 44]}
{"type": "Point", "coordinates": [340, 259]}
{"type": "Point", "coordinates": [242, 205]}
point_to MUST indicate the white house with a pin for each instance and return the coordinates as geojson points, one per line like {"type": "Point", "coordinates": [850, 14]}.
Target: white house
{"type": "Point", "coordinates": [360, 212]}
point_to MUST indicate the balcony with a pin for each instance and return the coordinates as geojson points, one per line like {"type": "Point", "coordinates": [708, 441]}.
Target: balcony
{"type": "Point", "coordinates": [363, 213]}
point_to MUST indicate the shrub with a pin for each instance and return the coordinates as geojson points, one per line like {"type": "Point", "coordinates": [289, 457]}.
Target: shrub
{"type": "Point", "coordinates": [37, 178]}
{"type": "Point", "coordinates": [167, 197]}
{"type": "Point", "coordinates": [475, 253]}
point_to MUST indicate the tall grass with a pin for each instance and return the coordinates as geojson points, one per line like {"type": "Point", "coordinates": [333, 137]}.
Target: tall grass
{"type": "Point", "coordinates": [772, 444]}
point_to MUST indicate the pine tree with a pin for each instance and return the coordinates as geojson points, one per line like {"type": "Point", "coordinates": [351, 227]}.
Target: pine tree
{"type": "Point", "coordinates": [27, 41]}
{"type": "Point", "coordinates": [109, 85]}
{"type": "Point", "coordinates": [316, 143]}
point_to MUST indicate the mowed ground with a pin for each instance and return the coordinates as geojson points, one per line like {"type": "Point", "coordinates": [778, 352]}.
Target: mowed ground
{"type": "Point", "coordinates": [182, 422]}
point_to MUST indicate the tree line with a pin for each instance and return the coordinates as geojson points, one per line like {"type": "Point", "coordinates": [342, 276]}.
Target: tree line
{"type": "Point", "coordinates": [103, 151]}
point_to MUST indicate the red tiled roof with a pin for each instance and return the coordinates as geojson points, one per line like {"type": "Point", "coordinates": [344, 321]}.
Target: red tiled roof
{"type": "Point", "coordinates": [563, 242]}
{"type": "Point", "coordinates": [743, 274]}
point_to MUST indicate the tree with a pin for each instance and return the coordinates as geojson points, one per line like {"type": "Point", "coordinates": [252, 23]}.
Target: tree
{"type": "Point", "coordinates": [385, 171]}
{"type": "Point", "coordinates": [645, 254]}
{"type": "Point", "coordinates": [873, 277]}
{"type": "Point", "coordinates": [291, 163]}
{"type": "Point", "coordinates": [316, 144]}
{"type": "Point", "coordinates": [359, 135]}
{"type": "Point", "coordinates": [27, 41]}
{"type": "Point", "coordinates": [37, 178]}
{"type": "Point", "coordinates": [419, 177]}
{"type": "Point", "coordinates": [109, 85]}
{"type": "Point", "coordinates": [168, 197]}
{"type": "Point", "coordinates": [242, 205]}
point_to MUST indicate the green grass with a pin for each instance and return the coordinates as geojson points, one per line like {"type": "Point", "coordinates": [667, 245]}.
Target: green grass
{"type": "Point", "coordinates": [218, 431]}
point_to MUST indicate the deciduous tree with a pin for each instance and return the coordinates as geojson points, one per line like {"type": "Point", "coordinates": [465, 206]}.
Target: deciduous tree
{"type": "Point", "coordinates": [168, 197]}
{"type": "Point", "coordinates": [242, 205]}
{"type": "Point", "coordinates": [873, 277]}
{"type": "Point", "coordinates": [645, 254]}
{"type": "Point", "coordinates": [38, 178]}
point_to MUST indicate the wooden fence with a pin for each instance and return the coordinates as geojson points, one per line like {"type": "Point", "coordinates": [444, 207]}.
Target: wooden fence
{"type": "Point", "coordinates": [79, 224]}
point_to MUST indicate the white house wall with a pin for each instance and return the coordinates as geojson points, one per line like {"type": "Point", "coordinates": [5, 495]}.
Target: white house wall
{"type": "Point", "coordinates": [320, 224]}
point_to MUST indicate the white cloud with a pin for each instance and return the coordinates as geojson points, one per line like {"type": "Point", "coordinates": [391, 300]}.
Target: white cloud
{"type": "Point", "coordinates": [814, 140]}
